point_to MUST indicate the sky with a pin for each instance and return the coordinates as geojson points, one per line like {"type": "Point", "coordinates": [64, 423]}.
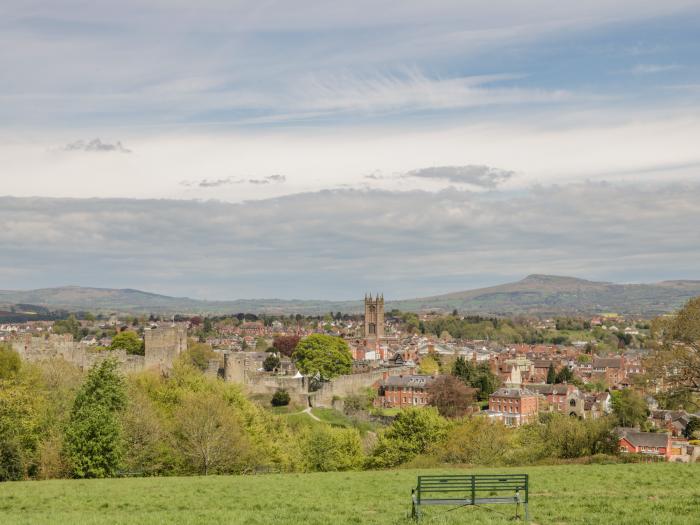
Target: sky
{"type": "Point", "coordinates": [323, 149]}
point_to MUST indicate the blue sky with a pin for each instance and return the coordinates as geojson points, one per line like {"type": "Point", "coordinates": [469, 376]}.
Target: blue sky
{"type": "Point", "coordinates": [280, 102]}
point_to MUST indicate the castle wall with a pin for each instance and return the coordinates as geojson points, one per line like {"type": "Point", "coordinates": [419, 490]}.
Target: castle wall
{"type": "Point", "coordinates": [163, 345]}
{"type": "Point", "coordinates": [343, 386]}
{"type": "Point", "coordinates": [36, 349]}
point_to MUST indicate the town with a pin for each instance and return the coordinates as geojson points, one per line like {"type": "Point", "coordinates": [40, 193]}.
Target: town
{"type": "Point", "coordinates": [510, 371]}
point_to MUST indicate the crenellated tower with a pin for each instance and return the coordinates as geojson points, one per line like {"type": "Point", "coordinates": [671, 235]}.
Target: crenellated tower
{"type": "Point", "coordinates": [374, 317]}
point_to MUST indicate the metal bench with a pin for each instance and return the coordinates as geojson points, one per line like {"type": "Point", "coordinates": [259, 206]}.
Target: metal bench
{"type": "Point", "coordinates": [476, 489]}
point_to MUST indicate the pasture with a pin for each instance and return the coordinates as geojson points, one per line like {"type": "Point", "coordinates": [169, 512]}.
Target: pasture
{"type": "Point", "coordinates": [659, 494]}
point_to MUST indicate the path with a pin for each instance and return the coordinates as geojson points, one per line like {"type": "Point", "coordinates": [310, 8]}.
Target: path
{"type": "Point", "coordinates": [312, 416]}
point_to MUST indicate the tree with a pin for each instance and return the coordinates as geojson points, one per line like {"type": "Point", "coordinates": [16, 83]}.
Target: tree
{"type": "Point", "coordinates": [327, 449]}
{"type": "Point", "coordinates": [325, 355]}
{"type": "Point", "coordinates": [261, 344]}
{"type": "Point", "coordinates": [209, 435]}
{"type": "Point", "coordinates": [429, 366]}
{"type": "Point", "coordinates": [10, 362]}
{"type": "Point", "coordinates": [94, 442]}
{"type": "Point", "coordinates": [450, 396]}
{"type": "Point", "coordinates": [94, 435]}
{"type": "Point", "coordinates": [479, 377]}
{"type": "Point", "coordinates": [68, 326]}
{"type": "Point", "coordinates": [271, 362]}
{"type": "Point", "coordinates": [478, 441]}
{"type": "Point", "coordinates": [464, 370]}
{"type": "Point", "coordinates": [486, 381]}
{"type": "Point", "coordinates": [551, 374]}
{"type": "Point", "coordinates": [128, 341]}
{"type": "Point", "coordinates": [629, 407]}
{"type": "Point", "coordinates": [413, 432]}
{"type": "Point", "coordinates": [564, 375]}
{"type": "Point", "coordinates": [280, 398]}
{"type": "Point", "coordinates": [199, 354]}
{"type": "Point", "coordinates": [677, 363]}
{"type": "Point", "coordinates": [692, 427]}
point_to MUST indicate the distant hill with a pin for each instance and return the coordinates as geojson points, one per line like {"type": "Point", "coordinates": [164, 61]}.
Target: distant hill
{"type": "Point", "coordinates": [555, 295]}
{"type": "Point", "coordinates": [534, 295]}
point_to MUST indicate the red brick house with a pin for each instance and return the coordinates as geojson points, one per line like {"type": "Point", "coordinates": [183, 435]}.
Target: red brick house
{"type": "Point", "coordinates": [514, 406]}
{"type": "Point", "coordinates": [403, 391]}
{"type": "Point", "coordinates": [651, 443]}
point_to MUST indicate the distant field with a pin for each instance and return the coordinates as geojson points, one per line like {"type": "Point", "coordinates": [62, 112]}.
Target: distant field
{"type": "Point", "coordinates": [603, 494]}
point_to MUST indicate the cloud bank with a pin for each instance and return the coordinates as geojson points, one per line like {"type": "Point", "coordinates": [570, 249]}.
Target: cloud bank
{"type": "Point", "coordinates": [334, 244]}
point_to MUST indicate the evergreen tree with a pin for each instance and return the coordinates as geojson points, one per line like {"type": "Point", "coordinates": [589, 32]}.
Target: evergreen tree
{"type": "Point", "coordinates": [464, 370]}
{"type": "Point", "coordinates": [94, 435]}
{"type": "Point", "coordinates": [564, 375]}
{"type": "Point", "coordinates": [551, 375]}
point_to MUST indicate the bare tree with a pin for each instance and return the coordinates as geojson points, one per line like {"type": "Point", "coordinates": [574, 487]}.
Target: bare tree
{"type": "Point", "coordinates": [451, 396]}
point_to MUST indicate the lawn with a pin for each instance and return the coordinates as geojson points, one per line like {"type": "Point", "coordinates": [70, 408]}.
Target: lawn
{"type": "Point", "coordinates": [578, 494]}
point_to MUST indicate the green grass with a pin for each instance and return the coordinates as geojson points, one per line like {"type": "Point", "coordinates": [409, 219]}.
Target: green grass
{"type": "Point", "coordinates": [338, 419]}
{"type": "Point", "coordinates": [659, 494]}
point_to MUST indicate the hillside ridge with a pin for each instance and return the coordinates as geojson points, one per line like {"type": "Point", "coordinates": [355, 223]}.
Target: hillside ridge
{"type": "Point", "coordinates": [536, 294]}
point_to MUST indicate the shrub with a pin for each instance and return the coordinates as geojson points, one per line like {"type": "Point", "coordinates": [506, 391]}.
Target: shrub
{"type": "Point", "coordinates": [326, 449]}
{"type": "Point", "coordinates": [10, 362]}
{"type": "Point", "coordinates": [280, 398]}
{"type": "Point", "coordinates": [414, 431]}
{"type": "Point", "coordinates": [271, 363]}
{"type": "Point", "coordinates": [11, 466]}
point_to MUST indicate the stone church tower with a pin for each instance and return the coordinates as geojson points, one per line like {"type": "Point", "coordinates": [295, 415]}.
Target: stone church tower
{"type": "Point", "coordinates": [374, 317]}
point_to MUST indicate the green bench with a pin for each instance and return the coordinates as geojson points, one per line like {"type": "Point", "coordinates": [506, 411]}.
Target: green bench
{"type": "Point", "coordinates": [475, 489]}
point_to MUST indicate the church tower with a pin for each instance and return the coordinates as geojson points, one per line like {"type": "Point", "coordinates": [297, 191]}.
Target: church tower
{"type": "Point", "coordinates": [374, 317]}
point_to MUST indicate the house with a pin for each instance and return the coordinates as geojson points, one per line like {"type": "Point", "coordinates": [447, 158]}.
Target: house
{"type": "Point", "coordinates": [254, 329]}
{"type": "Point", "coordinates": [513, 404]}
{"type": "Point", "coordinates": [403, 390]}
{"type": "Point", "coordinates": [598, 404]}
{"type": "Point", "coordinates": [563, 398]}
{"type": "Point", "coordinates": [609, 369]}
{"type": "Point", "coordinates": [673, 421]}
{"type": "Point", "coordinates": [651, 443]}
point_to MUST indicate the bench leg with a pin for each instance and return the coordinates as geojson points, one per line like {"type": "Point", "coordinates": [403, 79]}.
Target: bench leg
{"type": "Point", "coordinates": [527, 514]}
{"type": "Point", "coordinates": [415, 511]}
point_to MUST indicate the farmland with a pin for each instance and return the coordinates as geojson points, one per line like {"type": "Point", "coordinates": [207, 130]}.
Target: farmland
{"type": "Point", "coordinates": [578, 494]}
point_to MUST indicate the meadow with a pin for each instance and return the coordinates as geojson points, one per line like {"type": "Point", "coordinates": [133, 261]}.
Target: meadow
{"type": "Point", "coordinates": [657, 494]}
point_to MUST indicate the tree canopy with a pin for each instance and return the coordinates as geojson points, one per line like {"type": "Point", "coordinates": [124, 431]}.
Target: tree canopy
{"type": "Point", "coordinates": [323, 354]}
{"type": "Point", "coordinates": [129, 341]}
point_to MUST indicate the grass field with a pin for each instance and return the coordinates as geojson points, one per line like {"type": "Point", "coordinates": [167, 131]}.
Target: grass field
{"type": "Point", "coordinates": [586, 494]}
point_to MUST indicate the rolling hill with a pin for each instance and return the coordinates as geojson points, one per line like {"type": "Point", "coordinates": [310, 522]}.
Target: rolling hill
{"type": "Point", "coordinates": [533, 295]}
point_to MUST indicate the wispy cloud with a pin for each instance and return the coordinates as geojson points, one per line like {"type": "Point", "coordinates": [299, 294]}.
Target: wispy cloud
{"type": "Point", "coordinates": [215, 183]}
{"type": "Point", "coordinates": [95, 145]}
{"type": "Point", "coordinates": [651, 69]}
{"type": "Point", "coordinates": [481, 176]}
